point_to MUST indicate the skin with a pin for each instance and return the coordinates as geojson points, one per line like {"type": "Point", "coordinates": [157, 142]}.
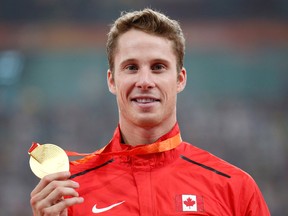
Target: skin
{"type": "Point", "coordinates": [146, 84]}
{"type": "Point", "coordinates": [47, 196]}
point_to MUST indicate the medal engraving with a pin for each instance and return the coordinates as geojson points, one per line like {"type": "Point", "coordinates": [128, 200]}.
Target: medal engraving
{"type": "Point", "coordinates": [47, 159]}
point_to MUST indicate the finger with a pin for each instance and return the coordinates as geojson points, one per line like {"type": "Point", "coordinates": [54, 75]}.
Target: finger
{"type": "Point", "coordinates": [49, 178]}
{"type": "Point", "coordinates": [54, 191]}
{"type": "Point", "coordinates": [57, 185]}
{"type": "Point", "coordinates": [59, 193]}
{"type": "Point", "coordinates": [56, 196]}
{"type": "Point", "coordinates": [62, 205]}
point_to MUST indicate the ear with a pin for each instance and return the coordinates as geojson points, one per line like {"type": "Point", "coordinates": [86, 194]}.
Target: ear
{"type": "Point", "coordinates": [111, 82]}
{"type": "Point", "coordinates": [181, 80]}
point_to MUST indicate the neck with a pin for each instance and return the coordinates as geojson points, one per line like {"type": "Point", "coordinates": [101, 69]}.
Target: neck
{"type": "Point", "coordinates": [135, 135]}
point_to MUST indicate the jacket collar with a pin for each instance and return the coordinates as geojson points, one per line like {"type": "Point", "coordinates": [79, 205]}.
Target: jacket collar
{"type": "Point", "coordinates": [166, 142]}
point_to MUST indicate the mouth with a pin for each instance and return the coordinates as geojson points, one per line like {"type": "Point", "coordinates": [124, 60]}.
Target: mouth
{"type": "Point", "coordinates": [145, 100]}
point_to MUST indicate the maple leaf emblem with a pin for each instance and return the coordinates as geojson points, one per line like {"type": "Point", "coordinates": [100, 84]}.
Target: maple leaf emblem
{"type": "Point", "coordinates": [189, 202]}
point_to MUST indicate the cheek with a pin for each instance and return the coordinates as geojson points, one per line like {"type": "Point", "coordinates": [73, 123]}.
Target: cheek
{"type": "Point", "coordinates": [126, 86]}
{"type": "Point", "coordinates": [122, 93]}
{"type": "Point", "coordinates": [170, 88]}
{"type": "Point", "coordinates": [170, 94]}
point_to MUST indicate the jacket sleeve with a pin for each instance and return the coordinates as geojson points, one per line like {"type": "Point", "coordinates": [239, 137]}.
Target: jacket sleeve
{"type": "Point", "coordinates": [253, 202]}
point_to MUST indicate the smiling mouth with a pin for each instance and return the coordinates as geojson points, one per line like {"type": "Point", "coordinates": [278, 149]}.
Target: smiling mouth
{"type": "Point", "coordinates": [145, 100]}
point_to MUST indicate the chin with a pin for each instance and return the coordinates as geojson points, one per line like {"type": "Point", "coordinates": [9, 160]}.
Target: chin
{"type": "Point", "coordinates": [147, 122]}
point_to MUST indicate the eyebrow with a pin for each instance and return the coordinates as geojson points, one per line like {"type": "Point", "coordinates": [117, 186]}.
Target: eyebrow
{"type": "Point", "coordinates": [129, 60]}
{"type": "Point", "coordinates": [126, 61]}
{"type": "Point", "coordinates": [162, 60]}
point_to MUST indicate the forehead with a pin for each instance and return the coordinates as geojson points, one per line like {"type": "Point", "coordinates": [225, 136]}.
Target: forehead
{"type": "Point", "coordinates": [135, 43]}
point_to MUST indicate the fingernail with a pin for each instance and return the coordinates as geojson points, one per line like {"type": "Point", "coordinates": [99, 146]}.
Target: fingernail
{"type": "Point", "coordinates": [76, 184]}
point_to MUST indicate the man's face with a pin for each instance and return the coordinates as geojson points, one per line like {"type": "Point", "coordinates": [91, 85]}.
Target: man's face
{"type": "Point", "coordinates": [145, 79]}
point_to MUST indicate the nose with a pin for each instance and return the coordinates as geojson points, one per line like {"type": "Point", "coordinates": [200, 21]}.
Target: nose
{"type": "Point", "coordinates": [145, 79]}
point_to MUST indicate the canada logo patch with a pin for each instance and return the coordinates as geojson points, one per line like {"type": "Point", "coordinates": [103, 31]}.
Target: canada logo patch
{"type": "Point", "coordinates": [189, 203]}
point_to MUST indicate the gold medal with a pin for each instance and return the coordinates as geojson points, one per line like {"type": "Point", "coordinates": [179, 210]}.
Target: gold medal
{"type": "Point", "coordinates": [47, 159]}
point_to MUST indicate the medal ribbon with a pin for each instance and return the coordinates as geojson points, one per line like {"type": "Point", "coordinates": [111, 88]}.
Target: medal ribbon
{"type": "Point", "coordinates": [48, 152]}
{"type": "Point", "coordinates": [159, 146]}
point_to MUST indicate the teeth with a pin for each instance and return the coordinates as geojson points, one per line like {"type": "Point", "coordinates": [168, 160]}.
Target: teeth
{"type": "Point", "coordinates": [145, 100]}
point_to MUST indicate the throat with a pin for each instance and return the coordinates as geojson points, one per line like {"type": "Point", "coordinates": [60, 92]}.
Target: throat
{"type": "Point", "coordinates": [139, 135]}
{"type": "Point", "coordinates": [137, 139]}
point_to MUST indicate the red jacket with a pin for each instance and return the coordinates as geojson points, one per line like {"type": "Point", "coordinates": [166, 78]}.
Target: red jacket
{"type": "Point", "coordinates": [169, 177]}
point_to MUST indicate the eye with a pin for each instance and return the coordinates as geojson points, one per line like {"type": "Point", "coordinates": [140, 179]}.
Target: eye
{"type": "Point", "coordinates": [158, 67]}
{"type": "Point", "coordinates": [131, 68]}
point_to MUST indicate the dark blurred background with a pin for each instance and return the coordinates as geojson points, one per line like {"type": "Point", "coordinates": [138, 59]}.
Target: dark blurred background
{"type": "Point", "coordinates": [53, 85]}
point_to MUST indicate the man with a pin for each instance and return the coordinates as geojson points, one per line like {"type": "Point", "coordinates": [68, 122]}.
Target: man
{"type": "Point", "coordinates": [147, 169]}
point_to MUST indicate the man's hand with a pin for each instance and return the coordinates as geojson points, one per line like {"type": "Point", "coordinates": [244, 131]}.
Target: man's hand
{"type": "Point", "coordinates": [47, 198]}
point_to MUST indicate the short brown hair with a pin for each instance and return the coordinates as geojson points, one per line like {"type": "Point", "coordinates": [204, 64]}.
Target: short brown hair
{"type": "Point", "coordinates": [149, 21]}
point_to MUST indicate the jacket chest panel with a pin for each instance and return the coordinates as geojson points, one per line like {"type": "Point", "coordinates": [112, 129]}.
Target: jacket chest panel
{"type": "Point", "coordinates": [136, 187]}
